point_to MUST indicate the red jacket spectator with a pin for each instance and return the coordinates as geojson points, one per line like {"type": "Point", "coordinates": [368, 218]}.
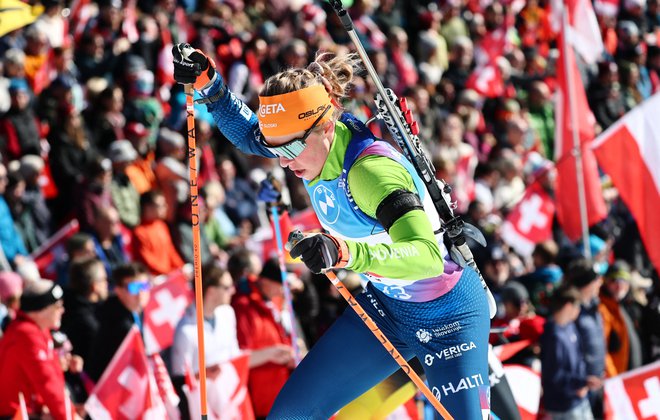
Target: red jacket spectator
{"type": "Point", "coordinates": [257, 328]}
{"type": "Point", "coordinates": [28, 363]}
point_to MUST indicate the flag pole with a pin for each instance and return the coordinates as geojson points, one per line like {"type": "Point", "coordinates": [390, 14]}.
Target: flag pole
{"type": "Point", "coordinates": [194, 202]}
{"type": "Point", "coordinates": [285, 284]}
{"type": "Point", "coordinates": [577, 149]}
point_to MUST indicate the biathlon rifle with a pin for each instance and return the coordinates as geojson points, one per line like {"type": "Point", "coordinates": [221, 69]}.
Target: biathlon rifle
{"type": "Point", "coordinates": [404, 129]}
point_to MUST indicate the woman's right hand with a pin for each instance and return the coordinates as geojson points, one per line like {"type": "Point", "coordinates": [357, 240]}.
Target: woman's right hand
{"type": "Point", "coordinates": [192, 66]}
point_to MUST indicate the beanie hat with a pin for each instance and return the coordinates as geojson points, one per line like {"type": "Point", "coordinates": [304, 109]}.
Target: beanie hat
{"type": "Point", "coordinates": [271, 270]}
{"type": "Point", "coordinates": [40, 294]}
{"type": "Point", "coordinates": [514, 292]}
{"type": "Point", "coordinates": [580, 273]}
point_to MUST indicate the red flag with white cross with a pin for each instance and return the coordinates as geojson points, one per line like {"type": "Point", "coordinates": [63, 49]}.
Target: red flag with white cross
{"type": "Point", "coordinates": [530, 221]}
{"type": "Point", "coordinates": [634, 394]}
{"type": "Point", "coordinates": [167, 305]}
{"type": "Point", "coordinates": [127, 389]}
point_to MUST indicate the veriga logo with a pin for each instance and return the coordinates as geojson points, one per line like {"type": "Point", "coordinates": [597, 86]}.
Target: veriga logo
{"type": "Point", "coordinates": [271, 109]}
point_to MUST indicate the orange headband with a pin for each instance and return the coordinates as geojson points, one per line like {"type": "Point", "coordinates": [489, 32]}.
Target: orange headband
{"type": "Point", "coordinates": [292, 112]}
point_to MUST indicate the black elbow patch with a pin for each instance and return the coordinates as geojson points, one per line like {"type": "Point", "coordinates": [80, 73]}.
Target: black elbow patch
{"type": "Point", "coordinates": [396, 205]}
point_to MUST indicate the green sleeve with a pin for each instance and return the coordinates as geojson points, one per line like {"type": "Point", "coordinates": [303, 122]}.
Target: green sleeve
{"type": "Point", "coordinates": [414, 253]}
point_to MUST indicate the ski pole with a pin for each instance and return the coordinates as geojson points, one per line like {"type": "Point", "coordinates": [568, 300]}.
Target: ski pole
{"type": "Point", "coordinates": [285, 284]}
{"type": "Point", "coordinates": [194, 202]}
{"type": "Point", "coordinates": [296, 236]}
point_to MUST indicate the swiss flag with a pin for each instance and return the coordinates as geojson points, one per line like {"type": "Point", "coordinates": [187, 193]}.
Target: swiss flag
{"type": "Point", "coordinates": [634, 394]}
{"type": "Point", "coordinates": [53, 250]}
{"type": "Point", "coordinates": [526, 388]}
{"type": "Point", "coordinates": [530, 221]}
{"type": "Point", "coordinates": [486, 80]}
{"type": "Point", "coordinates": [568, 211]}
{"type": "Point", "coordinates": [127, 389]}
{"type": "Point", "coordinates": [227, 394]}
{"type": "Point", "coordinates": [629, 152]}
{"type": "Point", "coordinates": [167, 305]}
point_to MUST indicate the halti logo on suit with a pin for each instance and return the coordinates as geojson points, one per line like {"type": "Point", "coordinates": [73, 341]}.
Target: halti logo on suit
{"type": "Point", "coordinates": [468, 382]}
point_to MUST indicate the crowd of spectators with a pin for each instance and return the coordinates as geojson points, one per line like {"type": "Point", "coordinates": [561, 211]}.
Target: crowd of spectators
{"type": "Point", "coordinates": [92, 128]}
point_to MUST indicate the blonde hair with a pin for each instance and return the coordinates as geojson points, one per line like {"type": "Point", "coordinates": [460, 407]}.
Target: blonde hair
{"type": "Point", "coordinates": [335, 72]}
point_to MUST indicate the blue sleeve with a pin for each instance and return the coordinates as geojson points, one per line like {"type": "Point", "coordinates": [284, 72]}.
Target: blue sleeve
{"type": "Point", "coordinates": [556, 369]}
{"type": "Point", "coordinates": [236, 121]}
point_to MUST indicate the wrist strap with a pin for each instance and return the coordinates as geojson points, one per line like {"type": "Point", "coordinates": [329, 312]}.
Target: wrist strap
{"type": "Point", "coordinates": [343, 255]}
{"type": "Point", "coordinates": [211, 99]}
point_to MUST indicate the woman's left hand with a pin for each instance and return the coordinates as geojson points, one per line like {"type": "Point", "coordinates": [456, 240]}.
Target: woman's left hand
{"type": "Point", "coordinates": [320, 252]}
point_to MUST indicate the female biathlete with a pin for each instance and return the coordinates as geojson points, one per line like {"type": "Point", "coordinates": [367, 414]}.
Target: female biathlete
{"type": "Point", "coordinates": [380, 222]}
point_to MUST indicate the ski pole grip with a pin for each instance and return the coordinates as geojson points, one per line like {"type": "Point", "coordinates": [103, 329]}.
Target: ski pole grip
{"type": "Point", "coordinates": [294, 237]}
{"type": "Point", "coordinates": [344, 17]}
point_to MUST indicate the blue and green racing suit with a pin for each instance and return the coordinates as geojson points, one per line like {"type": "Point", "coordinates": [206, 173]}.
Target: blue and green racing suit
{"type": "Point", "coordinates": [427, 305]}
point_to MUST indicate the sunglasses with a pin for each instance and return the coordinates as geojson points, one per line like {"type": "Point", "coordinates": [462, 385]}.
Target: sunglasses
{"type": "Point", "coordinates": [293, 148]}
{"type": "Point", "coordinates": [136, 287]}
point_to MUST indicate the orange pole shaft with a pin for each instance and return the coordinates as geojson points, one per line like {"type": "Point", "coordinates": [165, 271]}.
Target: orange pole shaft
{"type": "Point", "coordinates": [197, 260]}
{"type": "Point", "coordinates": [388, 345]}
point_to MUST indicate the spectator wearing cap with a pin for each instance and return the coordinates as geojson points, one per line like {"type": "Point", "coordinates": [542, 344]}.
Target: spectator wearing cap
{"type": "Point", "coordinates": [28, 363]}
{"type": "Point", "coordinates": [19, 130]}
{"type": "Point", "coordinates": [118, 314]}
{"type": "Point", "coordinates": [564, 377]}
{"type": "Point", "coordinates": [260, 324]}
{"type": "Point", "coordinates": [11, 288]}
{"type": "Point", "coordinates": [140, 171]}
{"type": "Point", "coordinates": [124, 195]}
{"type": "Point", "coordinates": [520, 321]}
{"type": "Point", "coordinates": [152, 241]}
{"type": "Point", "coordinates": [10, 240]}
{"type": "Point", "coordinates": [624, 351]}
{"type": "Point", "coordinates": [171, 173]}
{"type": "Point", "coordinates": [581, 274]}
{"type": "Point", "coordinates": [87, 289]}
{"type": "Point", "coordinates": [496, 268]}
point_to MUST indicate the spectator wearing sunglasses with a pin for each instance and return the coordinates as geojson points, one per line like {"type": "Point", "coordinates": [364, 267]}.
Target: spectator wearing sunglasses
{"type": "Point", "coordinates": [118, 313]}
{"type": "Point", "coordinates": [380, 221]}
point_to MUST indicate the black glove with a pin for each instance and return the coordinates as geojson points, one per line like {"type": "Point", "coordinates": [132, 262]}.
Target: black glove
{"type": "Point", "coordinates": [192, 66]}
{"type": "Point", "coordinates": [320, 252]}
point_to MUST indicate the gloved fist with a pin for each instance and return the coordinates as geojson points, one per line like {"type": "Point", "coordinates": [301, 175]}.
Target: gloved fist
{"type": "Point", "coordinates": [270, 190]}
{"type": "Point", "coordinates": [192, 66]}
{"type": "Point", "coordinates": [320, 252]}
